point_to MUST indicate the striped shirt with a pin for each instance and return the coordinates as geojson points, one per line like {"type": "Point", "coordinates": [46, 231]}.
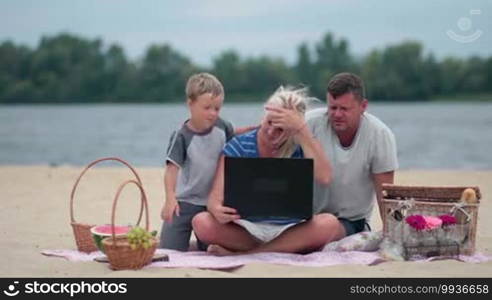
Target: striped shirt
{"type": "Point", "coordinates": [246, 145]}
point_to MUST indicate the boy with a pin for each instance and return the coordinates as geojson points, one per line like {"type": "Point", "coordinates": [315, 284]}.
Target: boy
{"type": "Point", "coordinates": [191, 161]}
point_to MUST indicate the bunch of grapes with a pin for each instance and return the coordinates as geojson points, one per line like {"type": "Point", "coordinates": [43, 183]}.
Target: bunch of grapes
{"type": "Point", "coordinates": [139, 237]}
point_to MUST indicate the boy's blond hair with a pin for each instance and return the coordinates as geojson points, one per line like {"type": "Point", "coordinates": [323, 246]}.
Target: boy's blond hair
{"type": "Point", "coordinates": [203, 83]}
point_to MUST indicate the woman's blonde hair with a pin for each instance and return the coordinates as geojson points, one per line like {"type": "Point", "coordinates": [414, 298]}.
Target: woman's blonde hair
{"type": "Point", "coordinates": [294, 99]}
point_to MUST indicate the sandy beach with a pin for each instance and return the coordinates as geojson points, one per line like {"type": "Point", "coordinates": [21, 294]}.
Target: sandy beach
{"type": "Point", "coordinates": [35, 216]}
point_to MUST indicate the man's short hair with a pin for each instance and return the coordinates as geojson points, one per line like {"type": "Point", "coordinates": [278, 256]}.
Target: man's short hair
{"type": "Point", "coordinates": [203, 83]}
{"type": "Point", "coordinates": [344, 83]}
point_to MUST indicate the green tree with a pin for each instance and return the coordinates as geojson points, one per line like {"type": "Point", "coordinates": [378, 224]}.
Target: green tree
{"type": "Point", "coordinates": [163, 74]}
{"type": "Point", "coordinates": [230, 71]}
{"type": "Point", "coordinates": [120, 76]}
{"type": "Point", "coordinates": [432, 76]}
{"type": "Point", "coordinates": [474, 76]}
{"type": "Point", "coordinates": [372, 73]}
{"type": "Point", "coordinates": [66, 68]}
{"type": "Point", "coordinates": [404, 67]}
{"type": "Point", "coordinates": [304, 67]}
{"type": "Point", "coordinates": [15, 84]}
{"type": "Point", "coordinates": [488, 75]}
{"type": "Point", "coordinates": [332, 57]}
{"type": "Point", "coordinates": [264, 75]}
{"type": "Point", "coordinates": [453, 72]}
{"type": "Point", "coordinates": [398, 73]}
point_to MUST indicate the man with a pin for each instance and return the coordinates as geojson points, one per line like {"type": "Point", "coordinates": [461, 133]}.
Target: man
{"type": "Point", "coordinates": [283, 133]}
{"type": "Point", "coordinates": [362, 151]}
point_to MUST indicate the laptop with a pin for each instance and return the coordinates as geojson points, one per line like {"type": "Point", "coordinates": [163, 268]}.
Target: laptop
{"type": "Point", "coordinates": [276, 190]}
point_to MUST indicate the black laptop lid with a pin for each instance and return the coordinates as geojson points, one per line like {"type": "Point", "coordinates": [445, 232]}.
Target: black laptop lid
{"type": "Point", "coordinates": [269, 188]}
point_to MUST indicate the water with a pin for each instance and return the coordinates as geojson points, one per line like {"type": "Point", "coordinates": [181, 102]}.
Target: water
{"type": "Point", "coordinates": [429, 135]}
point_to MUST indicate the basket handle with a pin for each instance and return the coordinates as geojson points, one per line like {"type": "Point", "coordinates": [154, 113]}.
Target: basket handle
{"type": "Point", "coordinates": [72, 194]}
{"type": "Point", "coordinates": [143, 198]}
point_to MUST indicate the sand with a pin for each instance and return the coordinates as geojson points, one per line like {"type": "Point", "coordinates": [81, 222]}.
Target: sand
{"type": "Point", "coordinates": [35, 216]}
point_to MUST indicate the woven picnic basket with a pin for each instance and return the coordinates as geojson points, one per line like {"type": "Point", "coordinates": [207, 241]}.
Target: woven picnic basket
{"type": "Point", "coordinates": [120, 255]}
{"type": "Point", "coordinates": [82, 231]}
{"type": "Point", "coordinates": [401, 201]}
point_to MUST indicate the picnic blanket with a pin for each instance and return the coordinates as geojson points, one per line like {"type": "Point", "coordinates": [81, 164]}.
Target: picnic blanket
{"type": "Point", "coordinates": [362, 249]}
{"type": "Point", "coordinates": [204, 260]}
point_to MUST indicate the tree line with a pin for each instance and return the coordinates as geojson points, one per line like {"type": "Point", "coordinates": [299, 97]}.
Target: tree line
{"type": "Point", "coordinates": [70, 69]}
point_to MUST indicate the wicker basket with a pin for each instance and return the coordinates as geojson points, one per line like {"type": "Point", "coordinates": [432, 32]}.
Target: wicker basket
{"type": "Point", "coordinates": [81, 231]}
{"type": "Point", "coordinates": [402, 201]}
{"type": "Point", "coordinates": [118, 250]}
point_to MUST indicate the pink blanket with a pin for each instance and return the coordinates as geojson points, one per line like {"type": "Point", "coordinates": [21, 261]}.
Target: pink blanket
{"type": "Point", "coordinates": [204, 260]}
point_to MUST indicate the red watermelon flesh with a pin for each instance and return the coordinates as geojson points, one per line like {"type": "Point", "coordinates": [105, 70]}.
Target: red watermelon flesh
{"type": "Point", "coordinates": [107, 229]}
{"type": "Point", "coordinates": [103, 231]}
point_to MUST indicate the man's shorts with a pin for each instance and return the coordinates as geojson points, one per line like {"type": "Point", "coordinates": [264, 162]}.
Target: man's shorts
{"type": "Point", "coordinates": [353, 227]}
{"type": "Point", "coordinates": [264, 232]}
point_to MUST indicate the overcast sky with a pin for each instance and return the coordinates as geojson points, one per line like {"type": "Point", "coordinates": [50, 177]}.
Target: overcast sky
{"type": "Point", "coordinates": [202, 29]}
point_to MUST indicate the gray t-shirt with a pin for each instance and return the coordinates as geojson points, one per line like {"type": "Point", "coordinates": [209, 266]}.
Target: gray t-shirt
{"type": "Point", "coordinates": [197, 155]}
{"type": "Point", "coordinates": [351, 194]}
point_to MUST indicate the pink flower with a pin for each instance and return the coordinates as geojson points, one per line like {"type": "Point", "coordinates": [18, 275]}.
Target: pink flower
{"type": "Point", "coordinates": [419, 222]}
{"type": "Point", "coordinates": [416, 221]}
{"type": "Point", "coordinates": [447, 220]}
{"type": "Point", "coordinates": [432, 222]}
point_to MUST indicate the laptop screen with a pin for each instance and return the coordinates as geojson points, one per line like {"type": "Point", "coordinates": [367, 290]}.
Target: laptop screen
{"type": "Point", "coordinates": [269, 189]}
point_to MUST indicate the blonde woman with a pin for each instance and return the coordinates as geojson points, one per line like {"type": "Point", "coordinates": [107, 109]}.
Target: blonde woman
{"type": "Point", "coordinates": [282, 133]}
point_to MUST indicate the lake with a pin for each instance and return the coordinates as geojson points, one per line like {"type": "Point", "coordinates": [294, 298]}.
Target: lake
{"type": "Point", "coordinates": [429, 135]}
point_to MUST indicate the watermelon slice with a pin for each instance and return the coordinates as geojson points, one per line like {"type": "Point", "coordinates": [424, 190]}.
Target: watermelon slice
{"type": "Point", "coordinates": [103, 231]}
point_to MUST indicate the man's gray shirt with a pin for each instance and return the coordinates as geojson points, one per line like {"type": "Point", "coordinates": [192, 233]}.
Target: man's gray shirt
{"type": "Point", "coordinates": [351, 194]}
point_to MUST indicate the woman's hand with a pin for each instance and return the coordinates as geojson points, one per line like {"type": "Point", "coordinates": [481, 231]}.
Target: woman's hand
{"type": "Point", "coordinates": [284, 118]}
{"type": "Point", "coordinates": [223, 214]}
{"type": "Point", "coordinates": [291, 122]}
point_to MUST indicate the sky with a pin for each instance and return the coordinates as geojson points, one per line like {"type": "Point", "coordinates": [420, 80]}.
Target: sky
{"type": "Point", "coordinates": [201, 30]}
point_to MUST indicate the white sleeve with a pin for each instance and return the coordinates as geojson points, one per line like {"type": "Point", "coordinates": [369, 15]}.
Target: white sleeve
{"type": "Point", "coordinates": [384, 152]}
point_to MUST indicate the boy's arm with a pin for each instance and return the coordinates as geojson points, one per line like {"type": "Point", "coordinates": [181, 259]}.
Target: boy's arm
{"type": "Point", "coordinates": [170, 179]}
{"type": "Point", "coordinates": [241, 130]}
{"type": "Point", "coordinates": [215, 204]}
{"type": "Point", "coordinates": [216, 195]}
